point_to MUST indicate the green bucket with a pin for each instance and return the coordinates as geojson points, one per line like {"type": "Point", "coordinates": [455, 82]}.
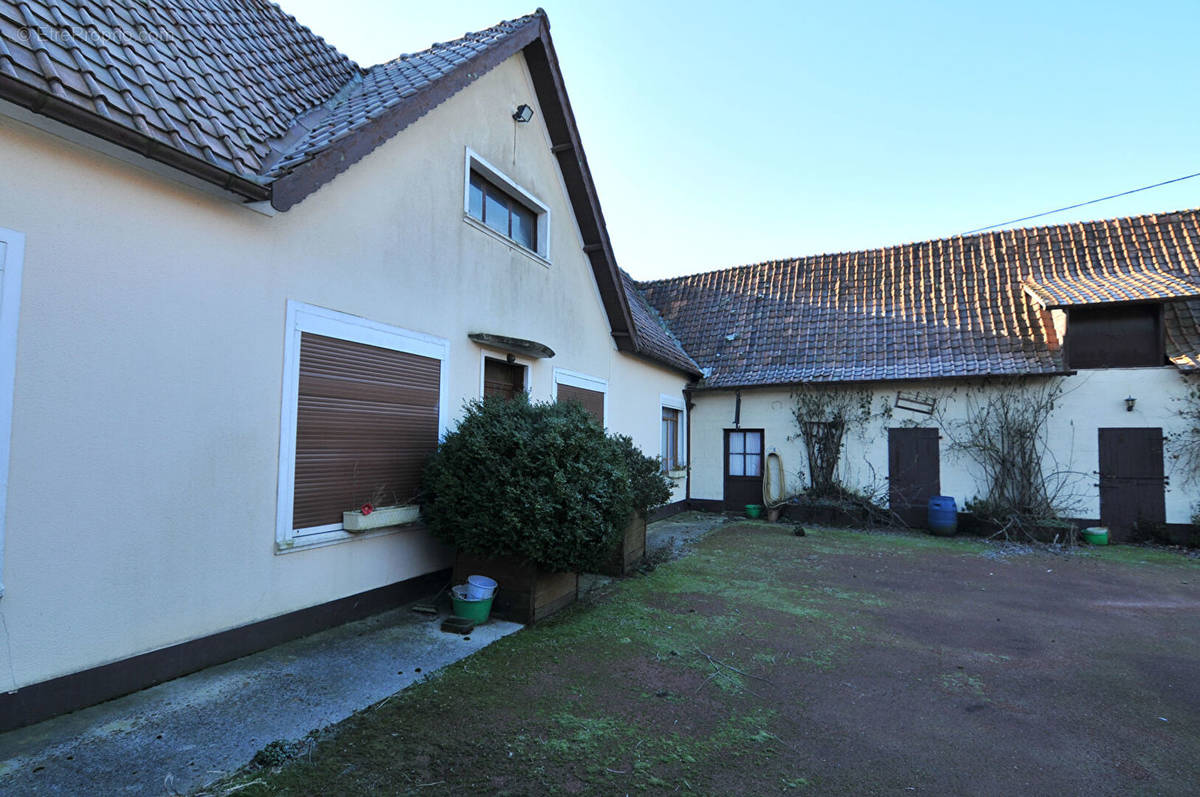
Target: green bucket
{"type": "Point", "coordinates": [1096, 535]}
{"type": "Point", "coordinates": [753, 511]}
{"type": "Point", "coordinates": [472, 610]}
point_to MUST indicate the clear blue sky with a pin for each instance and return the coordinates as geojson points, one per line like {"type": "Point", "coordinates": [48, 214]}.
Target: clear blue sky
{"type": "Point", "coordinates": [730, 133]}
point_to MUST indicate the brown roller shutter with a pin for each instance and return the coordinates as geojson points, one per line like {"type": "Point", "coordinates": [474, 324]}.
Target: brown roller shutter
{"type": "Point", "coordinates": [367, 419]}
{"type": "Point", "coordinates": [502, 379]}
{"type": "Point", "coordinates": [592, 400]}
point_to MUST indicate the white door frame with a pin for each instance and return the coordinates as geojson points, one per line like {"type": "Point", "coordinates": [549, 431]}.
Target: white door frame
{"type": "Point", "coordinates": [12, 260]}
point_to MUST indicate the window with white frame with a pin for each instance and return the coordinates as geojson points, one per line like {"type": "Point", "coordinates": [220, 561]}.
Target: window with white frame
{"type": "Point", "coordinates": [364, 405]}
{"type": "Point", "coordinates": [672, 436]}
{"type": "Point", "coordinates": [497, 204]}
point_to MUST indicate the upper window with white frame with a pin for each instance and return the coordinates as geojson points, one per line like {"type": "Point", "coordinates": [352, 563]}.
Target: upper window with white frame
{"type": "Point", "coordinates": [501, 206]}
{"type": "Point", "coordinates": [364, 406]}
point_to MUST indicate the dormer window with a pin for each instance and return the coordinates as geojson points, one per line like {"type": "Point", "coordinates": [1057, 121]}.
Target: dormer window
{"type": "Point", "coordinates": [1115, 336]}
{"type": "Point", "coordinates": [496, 204]}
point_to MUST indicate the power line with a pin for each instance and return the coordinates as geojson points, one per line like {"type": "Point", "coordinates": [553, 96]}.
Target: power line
{"type": "Point", "coordinates": [1082, 204]}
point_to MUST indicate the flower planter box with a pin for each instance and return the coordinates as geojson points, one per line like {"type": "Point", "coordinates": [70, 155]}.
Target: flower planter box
{"type": "Point", "coordinates": [629, 551]}
{"type": "Point", "coordinates": [526, 593]}
{"type": "Point", "coordinates": [383, 516]}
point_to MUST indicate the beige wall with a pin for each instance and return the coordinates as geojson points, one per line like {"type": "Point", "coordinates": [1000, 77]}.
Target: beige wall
{"type": "Point", "coordinates": [142, 497]}
{"type": "Point", "coordinates": [1091, 400]}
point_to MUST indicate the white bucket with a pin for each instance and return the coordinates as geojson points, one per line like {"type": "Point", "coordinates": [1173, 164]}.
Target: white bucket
{"type": "Point", "coordinates": [480, 588]}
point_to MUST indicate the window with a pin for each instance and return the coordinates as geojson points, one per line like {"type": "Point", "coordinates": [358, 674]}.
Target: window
{"type": "Point", "coordinates": [497, 204]}
{"type": "Point", "coordinates": [745, 454]}
{"type": "Point", "coordinates": [589, 391]}
{"type": "Point", "coordinates": [502, 378]}
{"type": "Point", "coordinates": [364, 405]}
{"type": "Point", "coordinates": [670, 439]}
{"type": "Point", "coordinates": [502, 213]}
{"type": "Point", "coordinates": [1122, 336]}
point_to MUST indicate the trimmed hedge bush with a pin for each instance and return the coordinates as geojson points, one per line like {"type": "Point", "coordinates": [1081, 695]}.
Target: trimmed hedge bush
{"type": "Point", "coordinates": [538, 481]}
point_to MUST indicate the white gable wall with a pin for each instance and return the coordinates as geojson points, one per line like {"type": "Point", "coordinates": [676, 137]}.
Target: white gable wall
{"type": "Point", "coordinates": [142, 495]}
{"type": "Point", "coordinates": [1092, 399]}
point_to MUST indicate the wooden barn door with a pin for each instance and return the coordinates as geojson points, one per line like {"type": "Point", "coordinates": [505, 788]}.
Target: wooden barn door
{"type": "Point", "coordinates": [1132, 486]}
{"type": "Point", "coordinates": [914, 473]}
{"type": "Point", "coordinates": [743, 468]}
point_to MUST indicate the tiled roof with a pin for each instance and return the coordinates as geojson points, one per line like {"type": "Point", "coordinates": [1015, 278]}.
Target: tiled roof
{"type": "Point", "coordinates": [1182, 322]}
{"type": "Point", "coordinates": [216, 80]}
{"type": "Point", "coordinates": [1137, 285]}
{"type": "Point", "coordinates": [654, 339]}
{"type": "Point", "coordinates": [385, 86]}
{"type": "Point", "coordinates": [949, 308]}
{"type": "Point", "coordinates": [237, 86]}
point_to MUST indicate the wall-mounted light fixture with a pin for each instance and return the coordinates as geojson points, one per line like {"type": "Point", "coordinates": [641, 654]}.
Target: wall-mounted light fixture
{"type": "Point", "coordinates": [523, 113]}
{"type": "Point", "coordinates": [1129, 402]}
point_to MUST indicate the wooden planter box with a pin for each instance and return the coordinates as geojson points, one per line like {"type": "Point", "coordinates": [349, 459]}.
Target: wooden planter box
{"type": "Point", "coordinates": [526, 594]}
{"type": "Point", "coordinates": [629, 552]}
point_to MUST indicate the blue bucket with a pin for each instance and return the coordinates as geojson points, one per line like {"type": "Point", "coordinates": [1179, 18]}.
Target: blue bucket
{"type": "Point", "coordinates": [943, 515]}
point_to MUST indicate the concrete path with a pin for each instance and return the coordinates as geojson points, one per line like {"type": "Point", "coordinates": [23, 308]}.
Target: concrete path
{"type": "Point", "coordinates": [178, 736]}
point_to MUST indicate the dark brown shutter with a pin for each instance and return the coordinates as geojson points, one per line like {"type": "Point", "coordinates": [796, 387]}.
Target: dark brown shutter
{"type": "Point", "coordinates": [592, 400]}
{"type": "Point", "coordinates": [502, 379]}
{"type": "Point", "coordinates": [367, 419]}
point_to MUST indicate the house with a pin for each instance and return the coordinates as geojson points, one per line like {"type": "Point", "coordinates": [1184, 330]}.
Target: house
{"type": "Point", "coordinates": [246, 285]}
{"type": "Point", "coordinates": [927, 335]}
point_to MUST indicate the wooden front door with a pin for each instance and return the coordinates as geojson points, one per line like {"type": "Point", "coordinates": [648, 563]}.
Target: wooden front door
{"type": "Point", "coordinates": [743, 468]}
{"type": "Point", "coordinates": [914, 473]}
{"type": "Point", "coordinates": [1132, 487]}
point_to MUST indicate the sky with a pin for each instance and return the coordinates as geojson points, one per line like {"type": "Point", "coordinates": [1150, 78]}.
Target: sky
{"type": "Point", "coordinates": [727, 133]}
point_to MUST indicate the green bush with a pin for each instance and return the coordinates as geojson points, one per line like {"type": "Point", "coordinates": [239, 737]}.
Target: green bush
{"type": "Point", "coordinates": [649, 488]}
{"type": "Point", "coordinates": [541, 482]}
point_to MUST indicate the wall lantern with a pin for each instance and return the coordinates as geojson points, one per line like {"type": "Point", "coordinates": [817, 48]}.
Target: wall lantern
{"type": "Point", "coordinates": [523, 113]}
{"type": "Point", "coordinates": [1129, 402]}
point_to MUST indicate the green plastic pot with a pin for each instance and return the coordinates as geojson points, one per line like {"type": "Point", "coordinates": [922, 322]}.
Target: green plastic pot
{"type": "Point", "coordinates": [753, 511]}
{"type": "Point", "coordinates": [472, 610]}
{"type": "Point", "coordinates": [1097, 535]}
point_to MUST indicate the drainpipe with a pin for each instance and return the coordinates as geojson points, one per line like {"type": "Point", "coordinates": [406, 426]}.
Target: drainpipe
{"type": "Point", "coordinates": [687, 480]}
{"type": "Point", "coordinates": [737, 409]}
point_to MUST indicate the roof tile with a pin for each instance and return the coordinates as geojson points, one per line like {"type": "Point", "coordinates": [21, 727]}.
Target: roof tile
{"type": "Point", "coordinates": [965, 306]}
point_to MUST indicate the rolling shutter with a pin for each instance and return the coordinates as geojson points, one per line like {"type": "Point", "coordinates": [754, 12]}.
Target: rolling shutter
{"type": "Point", "coordinates": [367, 420]}
{"type": "Point", "coordinates": [592, 400]}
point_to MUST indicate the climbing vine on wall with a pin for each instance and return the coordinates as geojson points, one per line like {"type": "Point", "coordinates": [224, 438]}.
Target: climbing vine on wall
{"type": "Point", "coordinates": [1184, 444]}
{"type": "Point", "coordinates": [1003, 431]}
{"type": "Point", "coordinates": [823, 416]}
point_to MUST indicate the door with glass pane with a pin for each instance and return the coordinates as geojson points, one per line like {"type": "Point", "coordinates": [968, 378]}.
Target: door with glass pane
{"type": "Point", "coordinates": [743, 468]}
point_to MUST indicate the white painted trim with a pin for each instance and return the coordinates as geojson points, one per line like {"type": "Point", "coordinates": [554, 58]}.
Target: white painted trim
{"type": "Point", "coordinates": [494, 354]}
{"type": "Point", "coordinates": [303, 317]}
{"type": "Point", "coordinates": [582, 381]}
{"type": "Point", "coordinates": [12, 262]}
{"type": "Point", "coordinates": [474, 162]}
{"type": "Point", "coordinates": [675, 403]}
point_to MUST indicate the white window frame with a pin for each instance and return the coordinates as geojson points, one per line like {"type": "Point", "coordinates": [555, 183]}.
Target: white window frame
{"type": "Point", "coordinates": [476, 163]}
{"type": "Point", "coordinates": [301, 318]}
{"type": "Point", "coordinates": [12, 263]}
{"type": "Point", "coordinates": [665, 400]}
{"type": "Point", "coordinates": [489, 354]}
{"type": "Point", "coordinates": [582, 381]}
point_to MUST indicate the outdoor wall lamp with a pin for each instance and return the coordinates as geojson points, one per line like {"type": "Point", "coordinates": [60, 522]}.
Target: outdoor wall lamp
{"type": "Point", "coordinates": [1129, 402]}
{"type": "Point", "coordinates": [523, 113]}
